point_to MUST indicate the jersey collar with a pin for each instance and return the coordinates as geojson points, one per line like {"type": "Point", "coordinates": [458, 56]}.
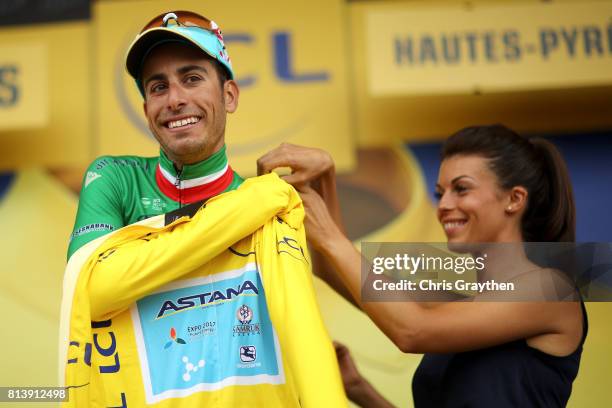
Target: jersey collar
{"type": "Point", "coordinates": [194, 182]}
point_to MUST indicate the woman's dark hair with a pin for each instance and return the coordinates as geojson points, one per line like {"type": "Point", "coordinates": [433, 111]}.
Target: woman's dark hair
{"type": "Point", "coordinates": [533, 163]}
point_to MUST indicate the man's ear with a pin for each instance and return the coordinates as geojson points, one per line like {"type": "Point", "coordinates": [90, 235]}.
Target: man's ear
{"type": "Point", "coordinates": [231, 92]}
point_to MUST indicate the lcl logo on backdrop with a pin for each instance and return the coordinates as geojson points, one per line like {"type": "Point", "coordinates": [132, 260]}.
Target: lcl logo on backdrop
{"type": "Point", "coordinates": [284, 72]}
{"type": "Point", "coordinates": [283, 69]}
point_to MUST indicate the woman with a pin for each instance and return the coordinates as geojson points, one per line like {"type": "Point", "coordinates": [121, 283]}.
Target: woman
{"type": "Point", "coordinates": [493, 186]}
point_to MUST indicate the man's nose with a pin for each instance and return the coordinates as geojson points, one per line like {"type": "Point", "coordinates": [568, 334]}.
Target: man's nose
{"type": "Point", "coordinates": [176, 97]}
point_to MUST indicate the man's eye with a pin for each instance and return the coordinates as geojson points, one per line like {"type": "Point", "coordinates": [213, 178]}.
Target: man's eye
{"type": "Point", "coordinates": [157, 88]}
{"type": "Point", "coordinates": [192, 78]}
{"type": "Point", "coordinates": [437, 195]}
{"type": "Point", "coordinates": [460, 189]}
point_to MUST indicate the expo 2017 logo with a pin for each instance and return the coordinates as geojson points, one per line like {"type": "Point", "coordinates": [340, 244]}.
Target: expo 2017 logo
{"type": "Point", "coordinates": [174, 339]}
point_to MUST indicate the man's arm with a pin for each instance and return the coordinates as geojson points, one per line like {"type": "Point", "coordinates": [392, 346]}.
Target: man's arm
{"type": "Point", "coordinates": [99, 209]}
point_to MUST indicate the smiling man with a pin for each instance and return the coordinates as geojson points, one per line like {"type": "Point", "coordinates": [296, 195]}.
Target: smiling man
{"type": "Point", "coordinates": [183, 71]}
{"type": "Point", "coordinates": [191, 309]}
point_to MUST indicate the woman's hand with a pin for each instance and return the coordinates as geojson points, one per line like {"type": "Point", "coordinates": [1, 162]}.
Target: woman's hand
{"type": "Point", "coordinates": [314, 176]}
{"type": "Point", "coordinates": [351, 378]}
{"type": "Point", "coordinates": [321, 229]}
{"type": "Point", "coordinates": [307, 163]}
{"type": "Point", "coordinates": [357, 388]}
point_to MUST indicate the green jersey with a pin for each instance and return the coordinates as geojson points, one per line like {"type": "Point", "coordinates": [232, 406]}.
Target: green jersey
{"type": "Point", "coordinates": [120, 190]}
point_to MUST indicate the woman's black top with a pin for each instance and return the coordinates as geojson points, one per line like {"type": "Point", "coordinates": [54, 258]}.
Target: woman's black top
{"type": "Point", "coordinates": [508, 375]}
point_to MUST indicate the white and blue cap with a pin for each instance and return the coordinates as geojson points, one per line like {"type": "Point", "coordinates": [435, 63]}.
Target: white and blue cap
{"type": "Point", "coordinates": [177, 26]}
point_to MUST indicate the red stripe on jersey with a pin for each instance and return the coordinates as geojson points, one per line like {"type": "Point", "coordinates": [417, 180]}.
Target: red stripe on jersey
{"type": "Point", "coordinates": [193, 194]}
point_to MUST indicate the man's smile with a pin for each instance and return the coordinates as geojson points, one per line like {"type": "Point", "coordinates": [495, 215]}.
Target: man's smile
{"type": "Point", "coordinates": [181, 122]}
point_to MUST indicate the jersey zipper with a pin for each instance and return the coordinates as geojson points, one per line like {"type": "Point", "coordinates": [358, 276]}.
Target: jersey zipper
{"type": "Point", "coordinates": [178, 187]}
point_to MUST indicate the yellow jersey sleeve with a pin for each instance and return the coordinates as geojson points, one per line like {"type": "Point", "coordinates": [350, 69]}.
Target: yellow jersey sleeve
{"type": "Point", "coordinates": [287, 277]}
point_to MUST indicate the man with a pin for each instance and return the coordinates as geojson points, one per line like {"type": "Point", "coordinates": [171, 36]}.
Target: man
{"type": "Point", "coordinates": [187, 82]}
{"type": "Point", "coordinates": [215, 308]}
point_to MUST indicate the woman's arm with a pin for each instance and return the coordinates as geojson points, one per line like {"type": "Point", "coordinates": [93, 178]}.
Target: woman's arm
{"type": "Point", "coordinates": [413, 326]}
{"type": "Point", "coordinates": [449, 326]}
{"type": "Point", "coordinates": [314, 167]}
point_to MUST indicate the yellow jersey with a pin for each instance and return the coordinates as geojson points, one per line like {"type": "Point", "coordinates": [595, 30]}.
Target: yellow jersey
{"type": "Point", "coordinates": [214, 309]}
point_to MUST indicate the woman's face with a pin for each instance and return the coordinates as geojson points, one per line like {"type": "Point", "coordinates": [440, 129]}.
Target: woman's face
{"type": "Point", "coordinates": [472, 206]}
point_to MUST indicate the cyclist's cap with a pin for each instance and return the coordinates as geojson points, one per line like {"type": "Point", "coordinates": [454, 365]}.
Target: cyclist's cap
{"type": "Point", "coordinates": [177, 26]}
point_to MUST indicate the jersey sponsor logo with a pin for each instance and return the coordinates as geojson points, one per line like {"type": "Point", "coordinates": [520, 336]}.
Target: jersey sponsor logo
{"type": "Point", "coordinates": [244, 314]}
{"type": "Point", "coordinates": [158, 204]}
{"type": "Point", "coordinates": [105, 349]}
{"type": "Point", "coordinates": [292, 248]}
{"type": "Point", "coordinates": [85, 229]}
{"type": "Point", "coordinates": [106, 254]}
{"type": "Point", "coordinates": [114, 161]}
{"type": "Point", "coordinates": [209, 359]}
{"type": "Point", "coordinates": [174, 339]}
{"type": "Point", "coordinates": [248, 354]}
{"type": "Point", "coordinates": [190, 367]}
{"type": "Point", "coordinates": [91, 177]}
{"type": "Point", "coordinates": [155, 204]}
{"type": "Point", "coordinates": [245, 328]}
{"type": "Point", "coordinates": [196, 331]}
{"type": "Point", "coordinates": [208, 298]}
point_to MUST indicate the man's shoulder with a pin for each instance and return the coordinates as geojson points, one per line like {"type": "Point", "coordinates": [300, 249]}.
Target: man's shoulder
{"type": "Point", "coordinates": [121, 164]}
{"type": "Point", "coordinates": [118, 170]}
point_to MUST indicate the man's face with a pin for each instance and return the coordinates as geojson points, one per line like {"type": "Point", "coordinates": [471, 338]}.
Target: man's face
{"type": "Point", "coordinates": [185, 104]}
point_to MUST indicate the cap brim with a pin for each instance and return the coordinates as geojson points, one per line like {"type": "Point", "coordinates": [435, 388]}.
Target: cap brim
{"type": "Point", "coordinates": [141, 46]}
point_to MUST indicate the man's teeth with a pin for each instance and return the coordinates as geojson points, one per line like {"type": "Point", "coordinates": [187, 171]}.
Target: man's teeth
{"type": "Point", "coordinates": [182, 122]}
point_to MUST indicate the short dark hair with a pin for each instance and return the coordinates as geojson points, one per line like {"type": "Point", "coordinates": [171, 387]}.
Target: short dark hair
{"type": "Point", "coordinates": [222, 72]}
{"type": "Point", "coordinates": [533, 163]}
